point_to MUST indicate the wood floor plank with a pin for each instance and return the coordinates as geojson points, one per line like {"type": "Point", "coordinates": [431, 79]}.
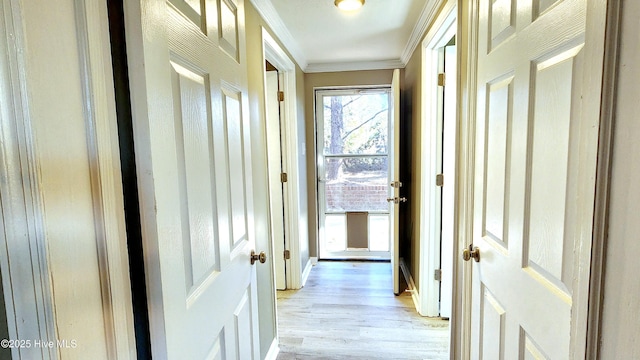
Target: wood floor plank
{"type": "Point", "coordinates": [347, 310]}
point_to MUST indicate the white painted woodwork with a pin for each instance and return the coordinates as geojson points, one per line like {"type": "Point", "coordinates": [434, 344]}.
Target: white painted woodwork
{"type": "Point", "coordinates": [448, 189]}
{"type": "Point", "coordinates": [618, 339]}
{"type": "Point", "coordinates": [431, 146]}
{"type": "Point", "coordinates": [22, 221]}
{"type": "Point", "coordinates": [193, 153]}
{"type": "Point", "coordinates": [394, 167]}
{"type": "Point", "coordinates": [347, 312]}
{"type": "Point", "coordinates": [292, 133]}
{"type": "Point", "coordinates": [65, 271]}
{"type": "Point", "coordinates": [538, 88]}
{"type": "Point", "coordinates": [276, 203]}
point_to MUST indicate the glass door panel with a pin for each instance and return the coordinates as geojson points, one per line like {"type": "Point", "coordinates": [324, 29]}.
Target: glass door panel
{"type": "Point", "coordinates": [353, 167]}
{"type": "Point", "coordinates": [356, 184]}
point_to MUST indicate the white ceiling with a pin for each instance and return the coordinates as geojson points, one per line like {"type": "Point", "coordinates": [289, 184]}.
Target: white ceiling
{"type": "Point", "coordinates": [381, 35]}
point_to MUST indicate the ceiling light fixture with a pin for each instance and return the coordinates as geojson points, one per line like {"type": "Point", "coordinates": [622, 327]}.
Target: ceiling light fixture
{"type": "Point", "coordinates": [349, 5]}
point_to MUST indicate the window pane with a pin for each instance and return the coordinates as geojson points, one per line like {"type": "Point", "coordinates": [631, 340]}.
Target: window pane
{"type": "Point", "coordinates": [335, 229]}
{"type": "Point", "coordinates": [356, 184]}
{"type": "Point", "coordinates": [356, 124]}
{"type": "Point", "coordinates": [379, 232]}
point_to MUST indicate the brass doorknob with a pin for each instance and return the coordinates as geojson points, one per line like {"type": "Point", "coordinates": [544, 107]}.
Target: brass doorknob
{"type": "Point", "coordinates": [262, 257]}
{"type": "Point", "coordinates": [471, 252]}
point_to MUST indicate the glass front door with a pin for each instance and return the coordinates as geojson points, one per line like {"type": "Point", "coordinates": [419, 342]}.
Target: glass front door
{"type": "Point", "coordinates": [353, 173]}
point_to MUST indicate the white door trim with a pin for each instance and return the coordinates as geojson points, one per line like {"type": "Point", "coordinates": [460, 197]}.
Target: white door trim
{"type": "Point", "coordinates": [441, 32]}
{"type": "Point", "coordinates": [460, 346]}
{"type": "Point", "coordinates": [290, 154]}
{"type": "Point", "coordinates": [22, 235]}
{"type": "Point", "coordinates": [106, 180]}
{"type": "Point", "coordinates": [603, 178]}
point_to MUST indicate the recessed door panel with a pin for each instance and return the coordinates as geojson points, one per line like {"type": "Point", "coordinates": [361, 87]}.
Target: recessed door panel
{"type": "Point", "coordinates": [550, 136]}
{"type": "Point", "coordinates": [502, 17]}
{"type": "Point", "coordinates": [232, 114]}
{"type": "Point", "coordinates": [493, 322]}
{"type": "Point", "coordinates": [497, 145]}
{"type": "Point", "coordinates": [540, 6]}
{"type": "Point", "coordinates": [192, 119]}
{"type": "Point", "coordinates": [228, 27]}
{"type": "Point", "coordinates": [192, 10]}
{"type": "Point", "coordinates": [529, 349]}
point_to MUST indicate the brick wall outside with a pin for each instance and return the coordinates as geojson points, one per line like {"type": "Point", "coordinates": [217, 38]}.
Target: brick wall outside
{"type": "Point", "coordinates": [349, 196]}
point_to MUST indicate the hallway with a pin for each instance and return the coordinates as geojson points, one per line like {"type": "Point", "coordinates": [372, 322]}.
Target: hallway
{"type": "Point", "coordinates": [347, 310]}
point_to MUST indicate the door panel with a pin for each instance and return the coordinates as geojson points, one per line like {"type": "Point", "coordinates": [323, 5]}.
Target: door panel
{"type": "Point", "coordinates": [499, 108]}
{"type": "Point", "coordinates": [354, 173]}
{"type": "Point", "coordinates": [531, 224]}
{"type": "Point", "coordinates": [194, 174]}
{"type": "Point", "coordinates": [492, 322]}
{"type": "Point", "coordinates": [189, 92]}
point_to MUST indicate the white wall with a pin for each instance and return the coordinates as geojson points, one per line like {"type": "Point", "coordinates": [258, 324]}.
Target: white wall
{"type": "Point", "coordinates": [620, 329]}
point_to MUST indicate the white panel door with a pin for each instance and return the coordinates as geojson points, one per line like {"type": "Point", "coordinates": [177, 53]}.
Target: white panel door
{"type": "Point", "coordinates": [534, 182]}
{"type": "Point", "coordinates": [189, 98]}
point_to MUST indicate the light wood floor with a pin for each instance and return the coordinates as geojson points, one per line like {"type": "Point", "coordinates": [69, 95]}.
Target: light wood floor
{"type": "Point", "coordinates": [347, 310]}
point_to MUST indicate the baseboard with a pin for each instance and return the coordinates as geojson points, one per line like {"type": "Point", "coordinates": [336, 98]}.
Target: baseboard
{"type": "Point", "coordinates": [415, 295]}
{"type": "Point", "coordinates": [305, 273]}
{"type": "Point", "coordinates": [273, 351]}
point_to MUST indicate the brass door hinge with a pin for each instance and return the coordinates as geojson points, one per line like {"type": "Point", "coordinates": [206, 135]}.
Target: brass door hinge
{"type": "Point", "coordinates": [280, 95]}
{"type": "Point", "coordinates": [437, 275]}
{"type": "Point", "coordinates": [439, 180]}
{"type": "Point", "coordinates": [283, 177]}
{"type": "Point", "coordinates": [441, 79]}
{"type": "Point", "coordinates": [287, 255]}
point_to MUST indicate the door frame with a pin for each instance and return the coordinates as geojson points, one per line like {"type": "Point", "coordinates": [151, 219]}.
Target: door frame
{"type": "Point", "coordinates": [428, 299]}
{"type": "Point", "coordinates": [23, 208]}
{"type": "Point", "coordinates": [22, 219]}
{"type": "Point", "coordinates": [291, 190]}
{"type": "Point", "coordinates": [321, 194]}
{"type": "Point", "coordinates": [609, 19]}
{"type": "Point", "coordinates": [273, 79]}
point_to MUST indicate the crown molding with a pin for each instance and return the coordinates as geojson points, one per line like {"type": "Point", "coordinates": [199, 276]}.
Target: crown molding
{"type": "Point", "coordinates": [268, 12]}
{"type": "Point", "coordinates": [427, 17]}
{"type": "Point", "coordinates": [354, 66]}
{"type": "Point", "coordinates": [270, 15]}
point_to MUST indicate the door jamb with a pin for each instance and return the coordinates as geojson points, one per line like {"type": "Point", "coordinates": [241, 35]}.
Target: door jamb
{"type": "Point", "coordinates": [290, 153]}
{"type": "Point", "coordinates": [467, 29]}
{"type": "Point", "coordinates": [443, 29]}
{"type": "Point", "coordinates": [22, 219]}
{"type": "Point", "coordinates": [603, 178]}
